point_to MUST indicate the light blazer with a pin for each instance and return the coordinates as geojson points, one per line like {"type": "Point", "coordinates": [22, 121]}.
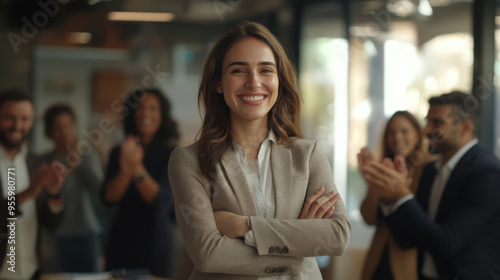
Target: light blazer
{"type": "Point", "coordinates": [464, 239]}
{"type": "Point", "coordinates": [285, 244]}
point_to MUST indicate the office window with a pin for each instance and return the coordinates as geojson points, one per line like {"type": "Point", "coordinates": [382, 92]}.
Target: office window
{"type": "Point", "coordinates": [323, 83]}
{"type": "Point", "coordinates": [395, 59]}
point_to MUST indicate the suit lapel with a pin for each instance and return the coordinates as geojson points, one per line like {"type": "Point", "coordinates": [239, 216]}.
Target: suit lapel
{"type": "Point", "coordinates": [450, 192]}
{"type": "Point", "coordinates": [425, 186]}
{"type": "Point", "coordinates": [238, 182]}
{"type": "Point", "coordinates": [281, 165]}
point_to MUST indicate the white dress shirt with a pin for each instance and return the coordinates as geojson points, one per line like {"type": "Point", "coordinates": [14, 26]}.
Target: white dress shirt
{"type": "Point", "coordinates": [258, 174]}
{"type": "Point", "coordinates": [26, 224]}
{"type": "Point", "coordinates": [444, 171]}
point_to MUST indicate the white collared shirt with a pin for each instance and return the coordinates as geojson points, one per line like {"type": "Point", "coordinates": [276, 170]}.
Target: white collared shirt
{"type": "Point", "coordinates": [258, 174]}
{"type": "Point", "coordinates": [444, 171]}
{"type": "Point", "coordinates": [26, 224]}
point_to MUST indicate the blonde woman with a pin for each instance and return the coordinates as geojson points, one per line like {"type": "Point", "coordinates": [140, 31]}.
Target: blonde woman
{"type": "Point", "coordinates": [386, 260]}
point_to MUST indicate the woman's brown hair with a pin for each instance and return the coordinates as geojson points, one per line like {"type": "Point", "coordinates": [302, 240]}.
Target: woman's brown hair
{"type": "Point", "coordinates": [419, 155]}
{"type": "Point", "coordinates": [214, 137]}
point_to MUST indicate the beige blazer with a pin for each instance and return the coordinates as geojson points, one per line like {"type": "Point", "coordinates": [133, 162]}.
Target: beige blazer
{"type": "Point", "coordinates": [285, 244]}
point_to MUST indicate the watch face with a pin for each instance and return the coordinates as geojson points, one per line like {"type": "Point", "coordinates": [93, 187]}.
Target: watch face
{"type": "Point", "coordinates": [139, 178]}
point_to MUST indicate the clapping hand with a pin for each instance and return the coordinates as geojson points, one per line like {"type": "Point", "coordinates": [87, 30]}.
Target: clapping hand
{"type": "Point", "coordinates": [389, 180]}
{"type": "Point", "coordinates": [49, 176]}
{"type": "Point", "coordinates": [364, 157]}
{"type": "Point", "coordinates": [131, 154]}
{"type": "Point", "coordinates": [55, 177]}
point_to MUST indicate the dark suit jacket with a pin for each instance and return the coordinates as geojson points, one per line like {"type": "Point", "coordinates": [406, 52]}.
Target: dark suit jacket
{"type": "Point", "coordinates": [465, 238]}
{"type": "Point", "coordinates": [45, 215]}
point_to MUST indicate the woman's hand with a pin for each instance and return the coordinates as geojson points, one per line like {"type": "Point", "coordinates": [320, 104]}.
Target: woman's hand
{"type": "Point", "coordinates": [55, 177]}
{"type": "Point", "coordinates": [389, 180]}
{"type": "Point", "coordinates": [131, 154]}
{"type": "Point", "coordinates": [230, 224]}
{"type": "Point", "coordinates": [364, 157]}
{"type": "Point", "coordinates": [318, 206]}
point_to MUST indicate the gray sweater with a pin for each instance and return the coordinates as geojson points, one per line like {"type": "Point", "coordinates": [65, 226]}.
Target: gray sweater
{"type": "Point", "coordinates": [80, 192]}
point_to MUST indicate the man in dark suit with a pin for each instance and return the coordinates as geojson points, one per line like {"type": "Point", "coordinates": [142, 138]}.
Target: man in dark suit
{"type": "Point", "coordinates": [29, 190]}
{"type": "Point", "coordinates": [454, 219]}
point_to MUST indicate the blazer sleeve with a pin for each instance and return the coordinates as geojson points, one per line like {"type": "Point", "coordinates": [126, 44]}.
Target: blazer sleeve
{"type": "Point", "coordinates": [470, 214]}
{"type": "Point", "coordinates": [208, 249]}
{"type": "Point", "coordinates": [306, 237]}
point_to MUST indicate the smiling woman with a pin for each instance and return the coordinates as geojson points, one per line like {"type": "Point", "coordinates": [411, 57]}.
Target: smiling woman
{"type": "Point", "coordinates": [249, 81]}
{"type": "Point", "coordinates": [404, 137]}
{"type": "Point", "coordinates": [252, 199]}
{"type": "Point", "coordinates": [141, 234]}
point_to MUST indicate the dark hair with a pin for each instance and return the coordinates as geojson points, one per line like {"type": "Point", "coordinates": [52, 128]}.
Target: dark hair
{"type": "Point", "coordinates": [415, 156]}
{"type": "Point", "coordinates": [168, 128]}
{"type": "Point", "coordinates": [464, 105]}
{"type": "Point", "coordinates": [284, 118]}
{"type": "Point", "coordinates": [13, 95]}
{"type": "Point", "coordinates": [54, 111]}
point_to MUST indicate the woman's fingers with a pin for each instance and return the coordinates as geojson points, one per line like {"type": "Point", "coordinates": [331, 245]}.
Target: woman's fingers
{"type": "Point", "coordinates": [332, 209]}
{"type": "Point", "coordinates": [320, 206]}
{"type": "Point", "coordinates": [137, 140]}
{"type": "Point", "coordinates": [388, 162]}
{"type": "Point", "coordinates": [310, 200]}
{"type": "Point", "coordinates": [382, 170]}
{"type": "Point", "coordinates": [366, 154]}
{"type": "Point", "coordinates": [388, 183]}
{"type": "Point", "coordinates": [377, 176]}
{"type": "Point", "coordinates": [327, 208]}
{"type": "Point", "coordinates": [400, 163]}
{"type": "Point", "coordinates": [360, 161]}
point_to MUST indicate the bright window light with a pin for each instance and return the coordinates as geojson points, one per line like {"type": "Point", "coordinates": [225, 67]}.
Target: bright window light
{"type": "Point", "coordinates": [140, 16]}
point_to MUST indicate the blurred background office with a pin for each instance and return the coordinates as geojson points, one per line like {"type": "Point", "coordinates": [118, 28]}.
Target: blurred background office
{"type": "Point", "coordinates": [358, 63]}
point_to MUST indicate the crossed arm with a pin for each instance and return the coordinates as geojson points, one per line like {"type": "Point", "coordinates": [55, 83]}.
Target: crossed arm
{"type": "Point", "coordinates": [317, 206]}
{"type": "Point", "coordinates": [213, 252]}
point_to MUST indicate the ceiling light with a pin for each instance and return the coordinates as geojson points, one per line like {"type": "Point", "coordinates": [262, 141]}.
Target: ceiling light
{"type": "Point", "coordinates": [141, 16]}
{"type": "Point", "coordinates": [79, 37]}
{"type": "Point", "coordinates": [497, 20]}
{"type": "Point", "coordinates": [93, 2]}
{"type": "Point", "coordinates": [424, 8]}
{"type": "Point", "coordinates": [402, 8]}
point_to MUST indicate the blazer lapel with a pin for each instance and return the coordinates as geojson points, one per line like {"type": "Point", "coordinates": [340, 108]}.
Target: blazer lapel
{"type": "Point", "coordinates": [425, 186]}
{"type": "Point", "coordinates": [281, 165]}
{"type": "Point", "coordinates": [238, 182]}
{"type": "Point", "coordinates": [450, 193]}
